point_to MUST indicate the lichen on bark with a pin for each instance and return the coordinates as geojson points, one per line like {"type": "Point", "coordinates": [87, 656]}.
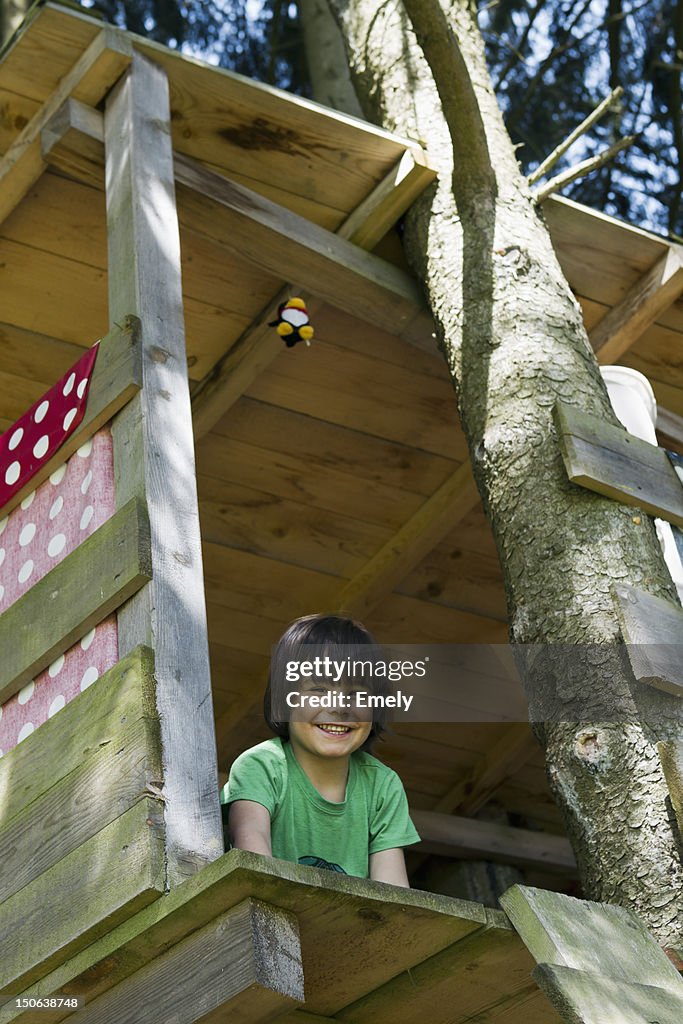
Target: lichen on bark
{"type": "Point", "coordinates": [513, 337]}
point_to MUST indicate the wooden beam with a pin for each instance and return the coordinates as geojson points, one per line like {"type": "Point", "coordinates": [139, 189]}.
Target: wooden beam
{"type": "Point", "coordinates": [449, 836]}
{"type": "Point", "coordinates": [89, 80]}
{"type": "Point", "coordinates": [652, 629]}
{"type": "Point", "coordinates": [612, 462]}
{"type": "Point", "coordinates": [245, 966]}
{"type": "Point", "coordinates": [272, 237]}
{"type": "Point", "coordinates": [154, 457]}
{"type": "Point", "coordinates": [647, 299]}
{"type": "Point", "coordinates": [89, 584]}
{"type": "Point", "coordinates": [73, 142]}
{"type": "Point", "coordinates": [116, 378]}
{"type": "Point", "coordinates": [433, 521]}
{"type": "Point", "coordinates": [379, 211]}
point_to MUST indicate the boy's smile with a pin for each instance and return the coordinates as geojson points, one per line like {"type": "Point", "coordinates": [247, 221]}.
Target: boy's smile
{"type": "Point", "coordinates": [324, 738]}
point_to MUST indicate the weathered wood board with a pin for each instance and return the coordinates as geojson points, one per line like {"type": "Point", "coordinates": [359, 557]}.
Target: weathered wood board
{"type": "Point", "coordinates": [83, 896]}
{"type": "Point", "coordinates": [383, 930]}
{"type": "Point", "coordinates": [94, 580]}
{"type": "Point", "coordinates": [244, 966]}
{"type": "Point", "coordinates": [610, 461]}
{"type": "Point", "coordinates": [80, 771]}
{"type": "Point", "coordinates": [652, 629]}
{"type": "Point", "coordinates": [589, 998]}
{"type": "Point", "coordinates": [482, 975]}
{"type": "Point", "coordinates": [595, 938]}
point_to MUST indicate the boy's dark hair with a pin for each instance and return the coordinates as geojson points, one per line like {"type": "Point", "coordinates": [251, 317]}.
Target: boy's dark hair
{"type": "Point", "coordinates": [332, 635]}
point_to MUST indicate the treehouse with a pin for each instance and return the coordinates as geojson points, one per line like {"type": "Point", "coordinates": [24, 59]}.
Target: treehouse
{"type": "Point", "coordinates": [177, 493]}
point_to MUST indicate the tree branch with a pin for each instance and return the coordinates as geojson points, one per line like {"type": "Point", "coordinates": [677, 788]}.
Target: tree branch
{"type": "Point", "coordinates": [582, 169]}
{"type": "Point", "coordinates": [473, 168]}
{"type": "Point", "coordinates": [587, 123]}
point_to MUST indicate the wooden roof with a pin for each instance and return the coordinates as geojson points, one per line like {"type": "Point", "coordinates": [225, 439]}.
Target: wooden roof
{"type": "Point", "coordinates": [315, 475]}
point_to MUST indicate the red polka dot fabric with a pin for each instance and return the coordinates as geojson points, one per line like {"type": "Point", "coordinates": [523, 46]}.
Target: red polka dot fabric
{"type": "Point", "coordinates": [41, 431]}
{"type": "Point", "coordinates": [38, 534]}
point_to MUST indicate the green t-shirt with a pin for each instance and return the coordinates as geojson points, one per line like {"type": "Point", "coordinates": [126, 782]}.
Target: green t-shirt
{"type": "Point", "coordinates": [308, 829]}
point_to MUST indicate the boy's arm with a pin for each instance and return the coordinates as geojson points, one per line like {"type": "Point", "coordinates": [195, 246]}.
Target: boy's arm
{"type": "Point", "coordinates": [249, 824]}
{"type": "Point", "coordinates": [389, 866]}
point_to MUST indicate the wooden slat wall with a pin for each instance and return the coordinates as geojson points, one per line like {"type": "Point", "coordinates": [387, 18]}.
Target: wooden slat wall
{"type": "Point", "coordinates": [95, 769]}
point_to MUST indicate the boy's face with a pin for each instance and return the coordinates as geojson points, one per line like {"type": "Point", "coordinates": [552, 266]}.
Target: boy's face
{"type": "Point", "coordinates": [330, 732]}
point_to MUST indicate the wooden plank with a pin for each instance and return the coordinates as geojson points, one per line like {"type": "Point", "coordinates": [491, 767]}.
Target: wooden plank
{"type": "Point", "coordinates": [45, 50]}
{"type": "Point", "coordinates": [293, 477]}
{"type": "Point", "coordinates": [244, 966]}
{"type": "Point", "coordinates": [671, 756]}
{"type": "Point", "coordinates": [449, 835]}
{"type": "Point", "coordinates": [610, 461]}
{"type": "Point", "coordinates": [117, 377]}
{"type": "Point", "coordinates": [585, 936]}
{"type": "Point", "coordinates": [86, 800]}
{"type": "Point", "coordinates": [154, 456]}
{"type": "Point", "coordinates": [600, 255]}
{"type": "Point", "coordinates": [65, 284]}
{"type": "Point", "coordinates": [90, 583]}
{"type": "Point", "coordinates": [274, 138]}
{"type": "Point", "coordinates": [103, 882]}
{"type": "Point", "coordinates": [89, 80]}
{"type": "Point", "coordinates": [287, 531]}
{"type": "Point", "coordinates": [332, 383]}
{"type": "Point", "coordinates": [382, 929]}
{"type": "Point", "coordinates": [123, 694]}
{"type": "Point", "coordinates": [389, 200]}
{"type": "Point", "coordinates": [581, 997]}
{"type": "Point", "coordinates": [402, 552]}
{"type": "Point", "coordinates": [329, 267]}
{"type": "Point", "coordinates": [324, 446]}
{"type": "Point", "coordinates": [652, 629]}
{"type": "Point", "coordinates": [484, 973]}
{"type": "Point", "coordinates": [41, 358]}
{"type": "Point", "coordinates": [642, 304]}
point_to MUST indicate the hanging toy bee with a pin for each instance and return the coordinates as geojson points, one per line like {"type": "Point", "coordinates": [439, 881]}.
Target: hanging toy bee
{"type": "Point", "coordinates": [292, 323]}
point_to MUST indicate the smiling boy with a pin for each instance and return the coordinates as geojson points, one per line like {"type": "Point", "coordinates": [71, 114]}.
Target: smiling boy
{"type": "Point", "coordinates": [314, 794]}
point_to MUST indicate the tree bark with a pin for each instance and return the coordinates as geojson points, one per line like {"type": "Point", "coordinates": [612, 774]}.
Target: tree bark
{"type": "Point", "coordinates": [327, 66]}
{"type": "Point", "coordinates": [513, 336]}
{"type": "Point", "coordinates": [12, 14]}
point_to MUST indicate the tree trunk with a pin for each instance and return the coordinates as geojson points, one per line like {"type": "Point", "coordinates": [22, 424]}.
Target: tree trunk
{"type": "Point", "coordinates": [514, 340]}
{"type": "Point", "coordinates": [327, 66]}
{"type": "Point", "coordinates": [12, 14]}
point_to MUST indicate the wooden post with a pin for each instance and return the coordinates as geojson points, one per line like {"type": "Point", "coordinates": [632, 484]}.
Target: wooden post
{"type": "Point", "coordinates": [154, 458]}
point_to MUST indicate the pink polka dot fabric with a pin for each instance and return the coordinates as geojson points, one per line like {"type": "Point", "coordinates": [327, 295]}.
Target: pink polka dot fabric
{"type": "Point", "coordinates": [40, 432]}
{"type": "Point", "coordinates": [47, 526]}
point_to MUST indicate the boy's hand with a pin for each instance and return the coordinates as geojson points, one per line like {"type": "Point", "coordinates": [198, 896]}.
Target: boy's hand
{"type": "Point", "coordinates": [249, 825]}
{"type": "Point", "coordinates": [389, 866]}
